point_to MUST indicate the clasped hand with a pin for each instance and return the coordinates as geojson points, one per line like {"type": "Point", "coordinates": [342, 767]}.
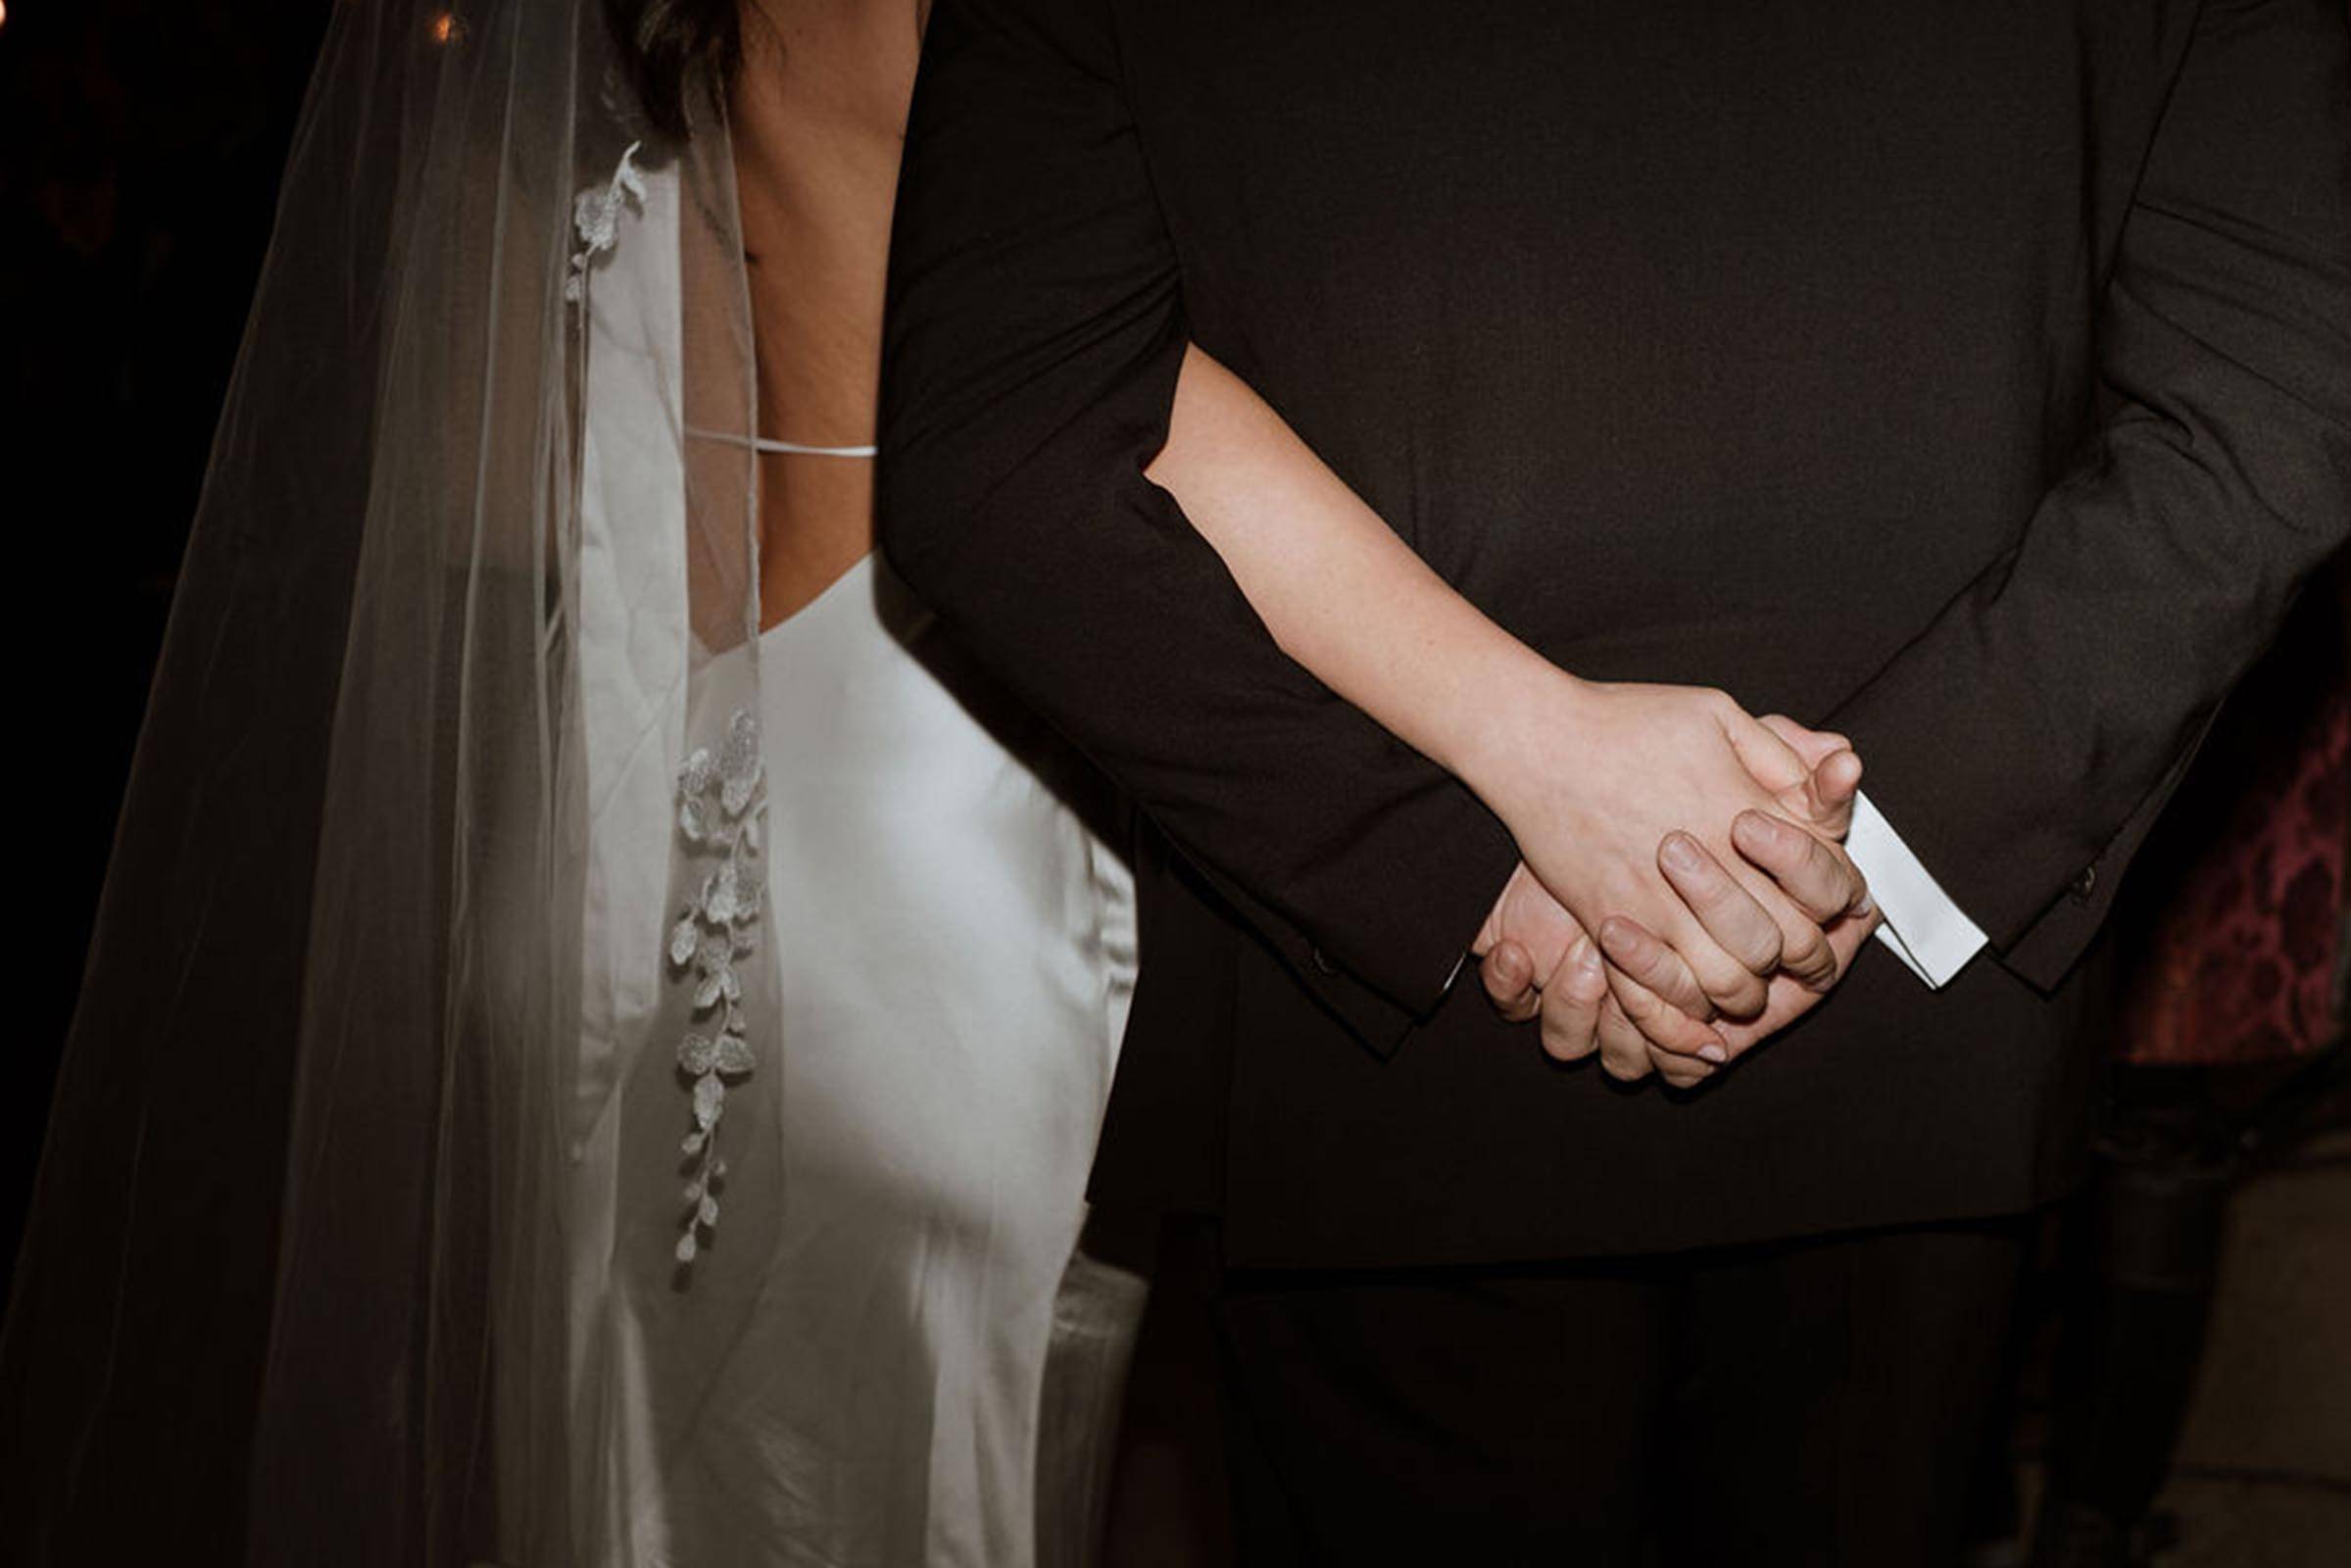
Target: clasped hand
{"type": "Point", "coordinates": [1684, 892]}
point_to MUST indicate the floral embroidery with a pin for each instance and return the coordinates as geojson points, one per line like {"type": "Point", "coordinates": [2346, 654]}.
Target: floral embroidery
{"type": "Point", "coordinates": [595, 213]}
{"type": "Point", "coordinates": [722, 800]}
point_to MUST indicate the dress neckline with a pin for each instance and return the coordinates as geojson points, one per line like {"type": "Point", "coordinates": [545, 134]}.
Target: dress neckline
{"type": "Point", "coordinates": [861, 567]}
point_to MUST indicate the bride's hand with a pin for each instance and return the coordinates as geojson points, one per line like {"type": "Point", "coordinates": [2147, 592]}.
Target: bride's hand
{"type": "Point", "coordinates": [1607, 788]}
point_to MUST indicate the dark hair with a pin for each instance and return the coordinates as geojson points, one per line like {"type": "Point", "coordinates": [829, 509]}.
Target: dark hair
{"type": "Point", "coordinates": [672, 49]}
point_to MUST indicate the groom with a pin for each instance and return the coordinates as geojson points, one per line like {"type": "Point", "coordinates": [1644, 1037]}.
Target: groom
{"type": "Point", "coordinates": [1973, 380]}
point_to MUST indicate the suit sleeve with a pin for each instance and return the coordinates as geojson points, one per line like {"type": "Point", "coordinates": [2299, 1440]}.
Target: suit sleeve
{"type": "Point", "coordinates": [2025, 742]}
{"type": "Point", "coordinates": [1034, 329]}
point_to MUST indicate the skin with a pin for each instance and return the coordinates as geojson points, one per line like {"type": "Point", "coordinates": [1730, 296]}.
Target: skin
{"type": "Point", "coordinates": [818, 117]}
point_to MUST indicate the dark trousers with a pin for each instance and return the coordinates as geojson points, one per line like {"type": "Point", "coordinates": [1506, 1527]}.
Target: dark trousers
{"type": "Point", "coordinates": [1816, 1403]}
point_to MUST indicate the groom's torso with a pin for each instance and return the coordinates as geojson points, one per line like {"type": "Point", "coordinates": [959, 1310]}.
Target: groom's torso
{"type": "Point", "coordinates": [1695, 343]}
{"type": "Point", "coordinates": [1646, 321]}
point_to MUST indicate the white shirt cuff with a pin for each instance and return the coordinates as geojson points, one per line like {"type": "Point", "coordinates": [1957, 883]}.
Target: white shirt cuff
{"type": "Point", "coordinates": [1925, 930]}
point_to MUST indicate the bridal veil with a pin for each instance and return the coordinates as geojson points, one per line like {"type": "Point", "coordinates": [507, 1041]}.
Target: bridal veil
{"type": "Point", "coordinates": [329, 1260]}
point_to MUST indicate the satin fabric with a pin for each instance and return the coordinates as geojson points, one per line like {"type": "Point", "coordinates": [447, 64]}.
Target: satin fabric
{"type": "Point", "coordinates": [854, 1368]}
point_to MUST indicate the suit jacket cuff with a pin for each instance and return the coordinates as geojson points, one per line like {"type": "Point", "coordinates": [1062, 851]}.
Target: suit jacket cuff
{"type": "Point", "coordinates": [1417, 901]}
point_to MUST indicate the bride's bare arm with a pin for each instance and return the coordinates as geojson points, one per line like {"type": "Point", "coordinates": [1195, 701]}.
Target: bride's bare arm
{"type": "Point", "coordinates": [1596, 782]}
{"type": "Point", "coordinates": [1340, 592]}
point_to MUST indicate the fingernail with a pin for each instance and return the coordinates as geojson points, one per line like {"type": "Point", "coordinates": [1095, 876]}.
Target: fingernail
{"type": "Point", "coordinates": [1867, 906]}
{"type": "Point", "coordinates": [1585, 956]}
{"type": "Point", "coordinates": [1714, 1053]}
{"type": "Point", "coordinates": [1681, 852]}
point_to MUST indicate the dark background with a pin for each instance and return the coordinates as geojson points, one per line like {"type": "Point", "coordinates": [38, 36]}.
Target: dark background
{"type": "Point", "coordinates": [140, 147]}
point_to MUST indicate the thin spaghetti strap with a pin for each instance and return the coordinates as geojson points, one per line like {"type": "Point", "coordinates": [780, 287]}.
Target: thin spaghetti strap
{"type": "Point", "coordinates": [763, 444]}
{"type": "Point", "coordinates": [760, 443]}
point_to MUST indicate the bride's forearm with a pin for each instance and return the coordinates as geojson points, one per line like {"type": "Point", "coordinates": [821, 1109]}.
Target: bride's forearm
{"type": "Point", "coordinates": [1341, 593]}
{"type": "Point", "coordinates": [1602, 786]}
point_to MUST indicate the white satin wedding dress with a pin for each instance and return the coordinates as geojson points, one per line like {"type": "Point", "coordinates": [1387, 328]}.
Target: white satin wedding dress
{"type": "Point", "coordinates": [890, 1351]}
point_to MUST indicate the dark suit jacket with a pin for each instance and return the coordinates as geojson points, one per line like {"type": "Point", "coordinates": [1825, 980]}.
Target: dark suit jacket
{"type": "Point", "coordinates": [1974, 378]}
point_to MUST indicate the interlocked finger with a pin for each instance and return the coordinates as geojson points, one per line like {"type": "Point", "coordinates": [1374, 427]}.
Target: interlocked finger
{"type": "Point", "coordinates": [1508, 975]}
{"type": "Point", "coordinates": [1737, 921]}
{"type": "Point", "coordinates": [1818, 875]}
{"type": "Point", "coordinates": [1624, 1052]}
{"type": "Point", "coordinates": [1818, 878]}
{"type": "Point", "coordinates": [1632, 948]}
{"type": "Point", "coordinates": [1727, 985]}
{"type": "Point", "coordinates": [1804, 952]}
{"type": "Point", "coordinates": [1572, 998]}
{"type": "Point", "coordinates": [1647, 981]}
{"type": "Point", "coordinates": [1683, 1072]}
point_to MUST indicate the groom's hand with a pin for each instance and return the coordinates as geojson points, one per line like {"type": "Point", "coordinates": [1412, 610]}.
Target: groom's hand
{"type": "Point", "coordinates": [1652, 986]}
{"type": "Point", "coordinates": [1536, 962]}
{"type": "Point", "coordinates": [1643, 971]}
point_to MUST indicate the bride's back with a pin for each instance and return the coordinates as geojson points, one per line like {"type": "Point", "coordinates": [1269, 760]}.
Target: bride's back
{"type": "Point", "coordinates": [818, 113]}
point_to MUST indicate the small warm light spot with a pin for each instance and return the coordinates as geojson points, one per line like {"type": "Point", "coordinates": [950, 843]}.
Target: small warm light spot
{"type": "Point", "coordinates": [445, 25]}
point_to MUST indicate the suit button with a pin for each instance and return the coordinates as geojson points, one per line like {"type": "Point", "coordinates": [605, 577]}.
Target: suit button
{"type": "Point", "coordinates": [2084, 885]}
{"type": "Point", "coordinates": [1323, 963]}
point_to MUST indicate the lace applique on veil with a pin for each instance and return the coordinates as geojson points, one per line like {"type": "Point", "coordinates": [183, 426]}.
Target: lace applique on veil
{"type": "Point", "coordinates": [595, 213]}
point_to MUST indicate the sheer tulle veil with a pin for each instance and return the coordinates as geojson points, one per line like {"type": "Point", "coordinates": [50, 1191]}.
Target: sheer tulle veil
{"type": "Point", "coordinates": [328, 1261]}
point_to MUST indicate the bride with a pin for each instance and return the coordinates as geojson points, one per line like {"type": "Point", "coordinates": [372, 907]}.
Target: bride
{"type": "Point", "coordinates": [699, 987]}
